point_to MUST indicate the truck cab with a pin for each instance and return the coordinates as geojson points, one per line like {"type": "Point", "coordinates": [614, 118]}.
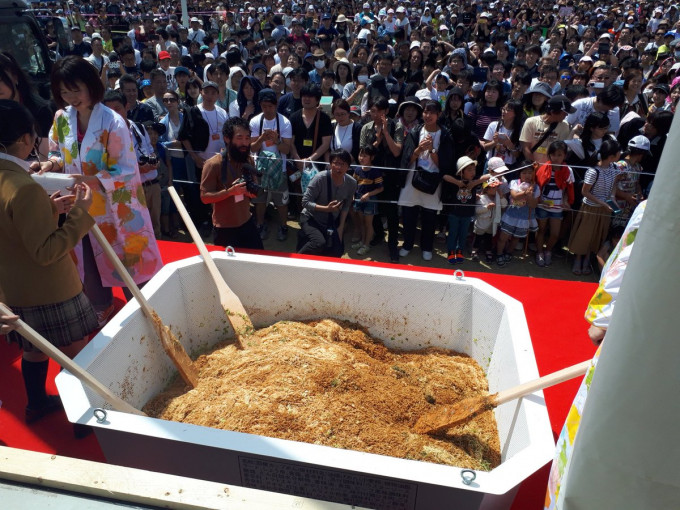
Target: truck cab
{"type": "Point", "coordinates": [22, 35]}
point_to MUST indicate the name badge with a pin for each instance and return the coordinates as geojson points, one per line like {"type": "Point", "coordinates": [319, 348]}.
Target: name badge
{"type": "Point", "coordinates": [215, 136]}
{"type": "Point", "coordinates": [238, 198]}
{"type": "Point", "coordinates": [308, 143]}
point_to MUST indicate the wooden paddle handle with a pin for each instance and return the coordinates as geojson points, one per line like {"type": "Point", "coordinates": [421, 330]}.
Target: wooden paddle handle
{"type": "Point", "coordinates": [543, 382]}
{"type": "Point", "coordinates": [50, 350]}
{"type": "Point", "coordinates": [122, 271]}
{"type": "Point", "coordinates": [198, 240]}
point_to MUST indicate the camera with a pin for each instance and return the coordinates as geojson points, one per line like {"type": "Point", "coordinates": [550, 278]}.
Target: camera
{"type": "Point", "coordinates": [329, 237]}
{"type": "Point", "coordinates": [147, 160]}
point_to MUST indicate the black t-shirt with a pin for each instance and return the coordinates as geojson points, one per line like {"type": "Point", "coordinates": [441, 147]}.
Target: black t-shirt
{"type": "Point", "coordinates": [288, 104]}
{"type": "Point", "coordinates": [304, 136]}
{"type": "Point", "coordinates": [459, 201]}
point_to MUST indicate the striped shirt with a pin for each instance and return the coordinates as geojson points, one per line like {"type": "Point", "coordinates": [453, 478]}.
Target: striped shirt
{"type": "Point", "coordinates": [602, 180]}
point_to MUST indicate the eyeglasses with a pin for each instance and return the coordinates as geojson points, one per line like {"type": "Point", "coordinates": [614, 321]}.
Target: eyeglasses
{"type": "Point", "coordinates": [169, 100]}
{"type": "Point", "coordinates": [565, 77]}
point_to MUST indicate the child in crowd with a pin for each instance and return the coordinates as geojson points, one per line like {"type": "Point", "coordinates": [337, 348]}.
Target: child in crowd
{"type": "Point", "coordinates": [460, 199]}
{"type": "Point", "coordinates": [628, 190]}
{"type": "Point", "coordinates": [369, 184]}
{"type": "Point", "coordinates": [168, 209]}
{"type": "Point", "coordinates": [487, 218]}
{"type": "Point", "coordinates": [497, 169]}
{"type": "Point", "coordinates": [593, 220]}
{"type": "Point", "coordinates": [556, 182]}
{"type": "Point", "coordinates": [518, 219]}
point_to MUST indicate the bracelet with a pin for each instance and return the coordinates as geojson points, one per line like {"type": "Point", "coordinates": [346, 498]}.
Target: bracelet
{"type": "Point", "coordinates": [51, 164]}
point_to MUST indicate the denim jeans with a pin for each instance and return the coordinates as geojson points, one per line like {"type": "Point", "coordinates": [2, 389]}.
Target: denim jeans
{"type": "Point", "coordinates": [458, 231]}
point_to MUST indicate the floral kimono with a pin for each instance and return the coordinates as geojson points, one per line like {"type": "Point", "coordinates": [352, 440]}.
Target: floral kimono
{"type": "Point", "coordinates": [120, 209]}
{"type": "Point", "coordinates": [598, 313]}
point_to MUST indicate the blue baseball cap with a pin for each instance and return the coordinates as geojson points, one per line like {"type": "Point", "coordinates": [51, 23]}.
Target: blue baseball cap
{"type": "Point", "coordinates": [146, 83]}
{"type": "Point", "coordinates": [182, 69]}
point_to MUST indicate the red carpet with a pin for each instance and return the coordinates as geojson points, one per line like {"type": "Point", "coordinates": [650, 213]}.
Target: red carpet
{"type": "Point", "coordinates": [554, 311]}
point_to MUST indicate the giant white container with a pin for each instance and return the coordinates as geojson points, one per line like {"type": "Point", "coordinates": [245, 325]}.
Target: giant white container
{"type": "Point", "coordinates": [406, 309]}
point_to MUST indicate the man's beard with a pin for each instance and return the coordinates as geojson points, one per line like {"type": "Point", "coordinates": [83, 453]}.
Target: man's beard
{"type": "Point", "coordinates": [237, 155]}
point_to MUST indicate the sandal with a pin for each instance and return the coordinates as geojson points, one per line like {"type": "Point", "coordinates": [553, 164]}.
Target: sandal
{"type": "Point", "coordinates": [489, 257]}
{"type": "Point", "coordinates": [500, 260]}
{"type": "Point", "coordinates": [587, 269]}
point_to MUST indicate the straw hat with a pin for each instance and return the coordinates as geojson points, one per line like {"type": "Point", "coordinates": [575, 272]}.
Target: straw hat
{"type": "Point", "coordinates": [340, 54]}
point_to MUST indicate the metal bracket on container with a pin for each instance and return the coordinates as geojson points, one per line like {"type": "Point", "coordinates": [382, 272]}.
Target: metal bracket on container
{"type": "Point", "coordinates": [459, 274]}
{"type": "Point", "coordinates": [230, 251]}
{"type": "Point", "coordinates": [100, 414]}
{"type": "Point", "coordinates": [468, 476]}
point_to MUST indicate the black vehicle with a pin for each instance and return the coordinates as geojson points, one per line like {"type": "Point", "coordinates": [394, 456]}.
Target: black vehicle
{"type": "Point", "coordinates": [22, 35]}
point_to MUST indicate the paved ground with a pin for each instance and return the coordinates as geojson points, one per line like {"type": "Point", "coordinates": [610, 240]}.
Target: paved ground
{"type": "Point", "coordinates": [520, 266]}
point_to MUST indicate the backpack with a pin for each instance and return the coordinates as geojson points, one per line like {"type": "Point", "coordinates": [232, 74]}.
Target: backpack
{"type": "Point", "coordinates": [269, 165]}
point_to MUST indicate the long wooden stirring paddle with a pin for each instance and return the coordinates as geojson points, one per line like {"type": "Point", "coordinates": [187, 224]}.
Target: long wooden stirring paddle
{"type": "Point", "coordinates": [64, 361]}
{"type": "Point", "coordinates": [233, 308]}
{"type": "Point", "coordinates": [448, 416]}
{"type": "Point", "coordinates": [171, 345]}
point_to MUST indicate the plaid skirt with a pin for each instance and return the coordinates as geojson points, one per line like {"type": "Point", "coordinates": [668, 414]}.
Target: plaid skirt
{"type": "Point", "coordinates": [60, 323]}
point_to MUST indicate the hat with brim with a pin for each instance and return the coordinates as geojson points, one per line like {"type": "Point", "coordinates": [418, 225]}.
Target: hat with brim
{"type": "Point", "coordinates": [410, 101]}
{"type": "Point", "coordinates": [540, 88]}
{"type": "Point", "coordinates": [208, 84]}
{"type": "Point", "coordinates": [640, 142]}
{"type": "Point", "coordinates": [341, 18]}
{"type": "Point", "coordinates": [341, 61]}
{"type": "Point", "coordinates": [560, 103]}
{"type": "Point", "coordinates": [355, 110]}
{"type": "Point", "coordinates": [464, 162]}
{"type": "Point", "coordinates": [156, 126]}
{"type": "Point", "coordinates": [267, 96]}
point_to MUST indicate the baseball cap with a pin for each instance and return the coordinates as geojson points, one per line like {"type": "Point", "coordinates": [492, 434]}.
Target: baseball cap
{"type": "Point", "coordinates": [355, 110]}
{"type": "Point", "coordinates": [560, 103]}
{"type": "Point", "coordinates": [401, 8]}
{"type": "Point", "coordinates": [326, 16]}
{"type": "Point", "coordinates": [181, 69]}
{"type": "Point", "coordinates": [195, 19]}
{"type": "Point", "coordinates": [267, 96]}
{"type": "Point", "coordinates": [212, 84]}
{"type": "Point", "coordinates": [146, 83]}
{"type": "Point", "coordinates": [640, 142]}
{"type": "Point", "coordinates": [496, 165]}
{"type": "Point", "coordinates": [367, 5]}
{"type": "Point", "coordinates": [464, 162]}
{"type": "Point", "coordinates": [162, 55]}
{"type": "Point", "coordinates": [662, 87]}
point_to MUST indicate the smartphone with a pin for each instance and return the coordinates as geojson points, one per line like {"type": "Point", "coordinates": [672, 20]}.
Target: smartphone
{"type": "Point", "coordinates": [615, 207]}
{"type": "Point", "coordinates": [603, 48]}
{"type": "Point", "coordinates": [596, 85]}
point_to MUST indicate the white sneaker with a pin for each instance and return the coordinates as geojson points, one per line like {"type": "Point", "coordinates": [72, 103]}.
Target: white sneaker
{"type": "Point", "coordinates": [404, 253]}
{"type": "Point", "coordinates": [427, 255]}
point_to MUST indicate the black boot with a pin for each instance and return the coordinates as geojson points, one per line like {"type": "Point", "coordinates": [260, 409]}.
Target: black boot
{"type": "Point", "coordinates": [39, 403]}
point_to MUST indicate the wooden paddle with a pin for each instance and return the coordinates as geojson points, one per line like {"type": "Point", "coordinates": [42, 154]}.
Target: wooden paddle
{"type": "Point", "coordinates": [233, 308]}
{"type": "Point", "coordinates": [64, 361]}
{"type": "Point", "coordinates": [171, 345]}
{"type": "Point", "coordinates": [449, 416]}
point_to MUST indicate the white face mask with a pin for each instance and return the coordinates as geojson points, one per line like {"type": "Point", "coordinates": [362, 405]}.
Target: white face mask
{"type": "Point", "coordinates": [363, 78]}
{"type": "Point", "coordinates": [319, 64]}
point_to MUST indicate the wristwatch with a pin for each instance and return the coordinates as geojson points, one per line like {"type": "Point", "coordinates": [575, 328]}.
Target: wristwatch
{"type": "Point", "coordinates": [433, 151]}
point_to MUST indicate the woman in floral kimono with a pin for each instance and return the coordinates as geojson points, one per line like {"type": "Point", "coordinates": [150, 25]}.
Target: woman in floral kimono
{"type": "Point", "coordinates": [91, 140]}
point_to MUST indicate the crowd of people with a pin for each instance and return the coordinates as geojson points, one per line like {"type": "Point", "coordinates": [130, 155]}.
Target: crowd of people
{"type": "Point", "coordinates": [489, 124]}
{"type": "Point", "coordinates": [424, 85]}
